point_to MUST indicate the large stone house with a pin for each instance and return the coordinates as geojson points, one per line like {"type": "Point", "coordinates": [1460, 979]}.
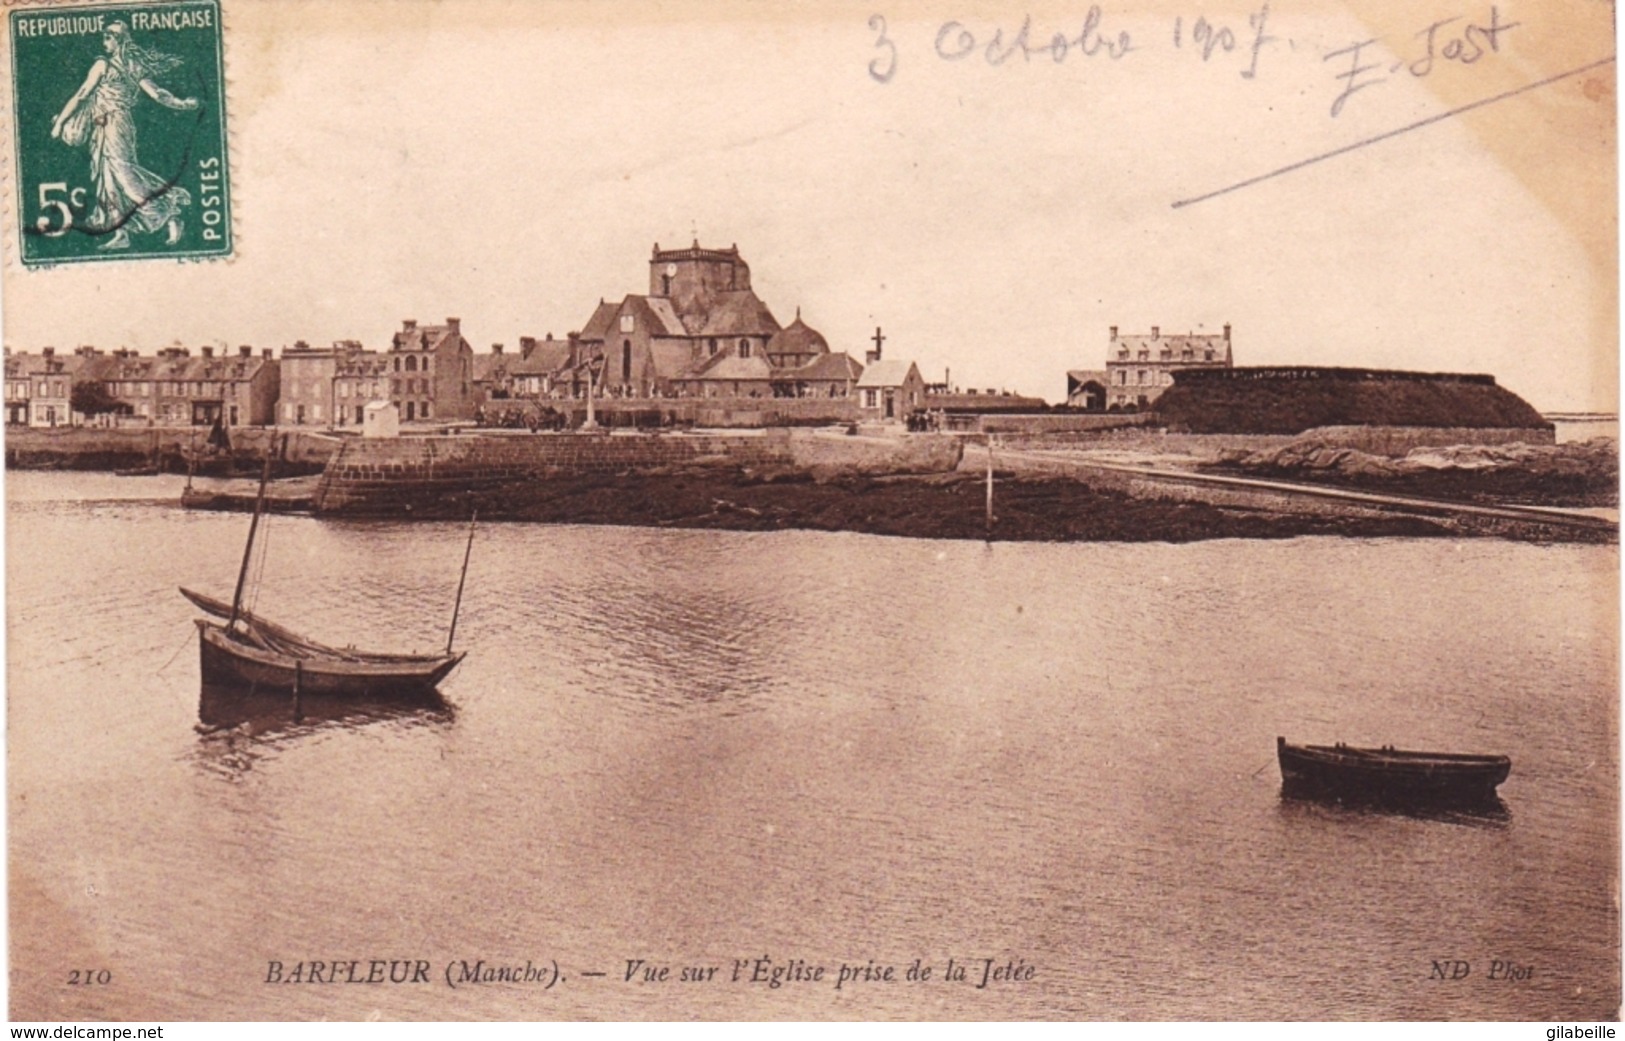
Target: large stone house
{"type": "Point", "coordinates": [431, 372]}
{"type": "Point", "coordinates": [1139, 368]}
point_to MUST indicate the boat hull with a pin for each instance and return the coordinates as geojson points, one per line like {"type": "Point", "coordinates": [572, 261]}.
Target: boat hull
{"type": "Point", "coordinates": [228, 661]}
{"type": "Point", "coordinates": [1389, 776]}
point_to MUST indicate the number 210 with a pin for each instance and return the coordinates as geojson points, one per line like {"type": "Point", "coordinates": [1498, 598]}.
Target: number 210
{"type": "Point", "coordinates": [84, 977]}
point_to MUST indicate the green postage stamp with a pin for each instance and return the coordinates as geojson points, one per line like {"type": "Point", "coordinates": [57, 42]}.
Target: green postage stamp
{"type": "Point", "coordinates": [119, 131]}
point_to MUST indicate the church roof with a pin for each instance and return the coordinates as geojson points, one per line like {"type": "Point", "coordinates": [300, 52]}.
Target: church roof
{"type": "Point", "coordinates": [733, 367]}
{"type": "Point", "coordinates": [598, 325]}
{"type": "Point", "coordinates": [739, 312]}
{"type": "Point", "coordinates": [798, 338]}
{"type": "Point", "coordinates": [666, 321]}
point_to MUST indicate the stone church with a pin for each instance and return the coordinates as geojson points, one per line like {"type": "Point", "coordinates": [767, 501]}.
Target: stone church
{"type": "Point", "coordinates": [701, 331]}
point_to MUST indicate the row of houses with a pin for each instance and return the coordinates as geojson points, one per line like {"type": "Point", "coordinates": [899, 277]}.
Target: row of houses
{"type": "Point", "coordinates": [173, 388]}
{"type": "Point", "coordinates": [700, 332]}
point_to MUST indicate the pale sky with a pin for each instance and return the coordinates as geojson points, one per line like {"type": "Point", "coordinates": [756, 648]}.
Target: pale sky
{"type": "Point", "coordinates": [510, 164]}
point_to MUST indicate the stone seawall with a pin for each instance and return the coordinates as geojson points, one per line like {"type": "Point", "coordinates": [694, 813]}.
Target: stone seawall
{"type": "Point", "coordinates": [395, 476]}
{"type": "Point", "coordinates": [119, 448]}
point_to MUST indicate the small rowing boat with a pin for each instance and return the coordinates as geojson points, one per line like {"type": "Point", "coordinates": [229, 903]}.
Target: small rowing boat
{"type": "Point", "coordinates": [1389, 775]}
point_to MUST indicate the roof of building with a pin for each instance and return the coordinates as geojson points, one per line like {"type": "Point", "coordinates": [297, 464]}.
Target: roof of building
{"type": "Point", "coordinates": [362, 363]}
{"type": "Point", "coordinates": [835, 366]}
{"type": "Point", "coordinates": [597, 326]}
{"type": "Point", "coordinates": [547, 356]}
{"type": "Point", "coordinates": [887, 372]}
{"type": "Point", "coordinates": [732, 367]}
{"type": "Point", "coordinates": [797, 338]}
{"type": "Point", "coordinates": [666, 321]}
{"type": "Point", "coordinates": [424, 337]}
{"type": "Point", "coordinates": [113, 368]}
{"type": "Point", "coordinates": [1175, 345]}
{"type": "Point", "coordinates": [739, 312]}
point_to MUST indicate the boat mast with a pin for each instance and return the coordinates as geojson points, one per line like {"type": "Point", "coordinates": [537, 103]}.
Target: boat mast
{"type": "Point", "coordinates": [458, 606]}
{"type": "Point", "coordinates": [253, 526]}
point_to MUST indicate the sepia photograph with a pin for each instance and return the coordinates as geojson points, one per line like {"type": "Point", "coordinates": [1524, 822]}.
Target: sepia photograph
{"type": "Point", "coordinates": [739, 511]}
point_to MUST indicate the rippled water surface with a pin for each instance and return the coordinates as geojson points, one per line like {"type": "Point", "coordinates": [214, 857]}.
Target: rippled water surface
{"type": "Point", "coordinates": [695, 747]}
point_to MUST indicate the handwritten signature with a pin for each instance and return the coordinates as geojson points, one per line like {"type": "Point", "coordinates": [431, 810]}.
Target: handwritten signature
{"type": "Point", "coordinates": [1467, 46]}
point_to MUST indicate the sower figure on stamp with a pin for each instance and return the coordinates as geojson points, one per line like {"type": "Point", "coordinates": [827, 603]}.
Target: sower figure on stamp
{"type": "Point", "coordinates": [101, 112]}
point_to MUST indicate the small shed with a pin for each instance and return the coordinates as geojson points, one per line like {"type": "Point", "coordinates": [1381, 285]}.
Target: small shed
{"type": "Point", "coordinates": [381, 419]}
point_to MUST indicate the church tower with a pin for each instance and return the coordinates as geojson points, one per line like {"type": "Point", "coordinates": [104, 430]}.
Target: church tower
{"type": "Point", "coordinates": [693, 279]}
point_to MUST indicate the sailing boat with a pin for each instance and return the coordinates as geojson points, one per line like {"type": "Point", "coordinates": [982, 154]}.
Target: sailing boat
{"type": "Point", "coordinates": [249, 651]}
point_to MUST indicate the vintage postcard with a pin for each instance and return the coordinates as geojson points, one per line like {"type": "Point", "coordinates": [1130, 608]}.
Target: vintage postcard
{"type": "Point", "coordinates": [751, 511]}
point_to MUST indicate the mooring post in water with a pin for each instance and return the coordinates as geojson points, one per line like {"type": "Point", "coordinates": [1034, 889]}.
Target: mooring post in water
{"type": "Point", "coordinates": [990, 486]}
{"type": "Point", "coordinates": [298, 685]}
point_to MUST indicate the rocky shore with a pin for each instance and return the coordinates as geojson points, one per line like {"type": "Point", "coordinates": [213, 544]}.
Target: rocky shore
{"type": "Point", "coordinates": [1576, 474]}
{"type": "Point", "coordinates": [942, 506]}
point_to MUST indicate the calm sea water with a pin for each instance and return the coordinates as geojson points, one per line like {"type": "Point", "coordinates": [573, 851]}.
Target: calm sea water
{"type": "Point", "coordinates": [695, 747]}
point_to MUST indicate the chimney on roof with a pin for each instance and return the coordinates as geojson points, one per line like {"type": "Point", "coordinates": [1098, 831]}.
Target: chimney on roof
{"type": "Point", "coordinates": [454, 324]}
{"type": "Point", "coordinates": [409, 324]}
{"type": "Point", "coordinates": [1226, 332]}
{"type": "Point", "coordinates": [245, 351]}
{"type": "Point", "coordinates": [49, 352]}
{"type": "Point", "coordinates": [496, 348]}
{"type": "Point", "coordinates": [1114, 332]}
{"type": "Point", "coordinates": [266, 353]}
{"type": "Point", "coordinates": [528, 344]}
{"type": "Point", "coordinates": [1156, 331]}
{"type": "Point", "coordinates": [208, 352]}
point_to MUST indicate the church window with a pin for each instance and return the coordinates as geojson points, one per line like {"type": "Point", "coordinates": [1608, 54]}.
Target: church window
{"type": "Point", "coordinates": [626, 361]}
{"type": "Point", "coordinates": [627, 322]}
{"type": "Point", "coordinates": [713, 345]}
{"type": "Point", "coordinates": [744, 348]}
